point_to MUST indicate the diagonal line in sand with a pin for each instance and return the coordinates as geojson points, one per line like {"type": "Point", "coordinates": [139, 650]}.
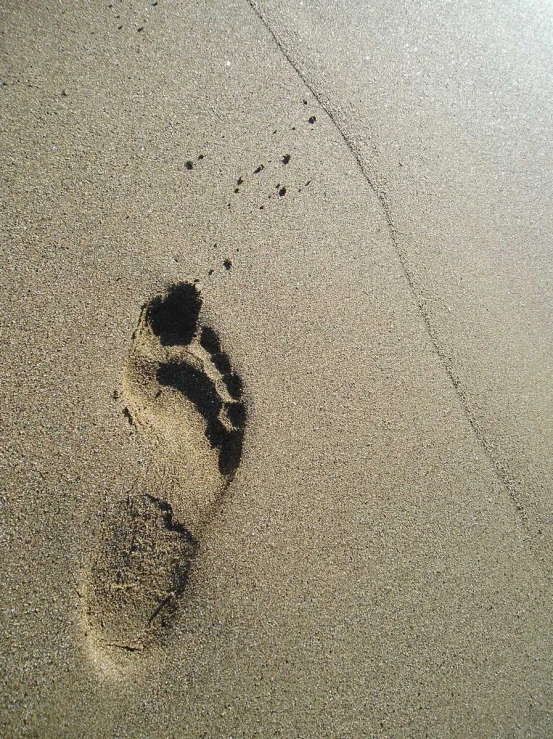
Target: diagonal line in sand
{"type": "Point", "coordinates": [333, 114]}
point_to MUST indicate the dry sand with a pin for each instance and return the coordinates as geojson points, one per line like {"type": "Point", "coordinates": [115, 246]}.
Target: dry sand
{"type": "Point", "coordinates": [372, 558]}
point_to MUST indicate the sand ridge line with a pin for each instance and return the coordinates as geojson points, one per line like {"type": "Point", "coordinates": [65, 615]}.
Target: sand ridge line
{"type": "Point", "coordinates": [333, 112]}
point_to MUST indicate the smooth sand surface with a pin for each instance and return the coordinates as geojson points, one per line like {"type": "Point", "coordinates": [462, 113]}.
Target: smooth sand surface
{"type": "Point", "coordinates": [378, 562]}
{"type": "Point", "coordinates": [449, 111]}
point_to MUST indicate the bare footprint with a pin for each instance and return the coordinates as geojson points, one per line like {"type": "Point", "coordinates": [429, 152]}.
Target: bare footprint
{"type": "Point", "coordinates": [181, 390]}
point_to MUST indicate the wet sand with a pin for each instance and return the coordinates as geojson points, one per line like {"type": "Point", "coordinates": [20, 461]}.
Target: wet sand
{"type": "Point", "coordinates": [376, 562]}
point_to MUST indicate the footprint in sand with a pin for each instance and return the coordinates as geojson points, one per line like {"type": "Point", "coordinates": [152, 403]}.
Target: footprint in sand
{"type": "Point", "coordinates": [182, 391]}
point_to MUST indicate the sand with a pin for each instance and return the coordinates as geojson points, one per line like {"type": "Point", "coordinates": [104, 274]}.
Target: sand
{"type": "Point", "coordinates": [372, 556]}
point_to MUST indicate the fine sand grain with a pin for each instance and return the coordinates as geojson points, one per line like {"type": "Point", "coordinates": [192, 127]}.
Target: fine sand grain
{"type": "Point", "coordinates": [264, 472]}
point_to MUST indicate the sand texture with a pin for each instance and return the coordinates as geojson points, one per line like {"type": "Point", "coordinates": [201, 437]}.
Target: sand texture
{"type": "Point", "coordinates": [276, 358]}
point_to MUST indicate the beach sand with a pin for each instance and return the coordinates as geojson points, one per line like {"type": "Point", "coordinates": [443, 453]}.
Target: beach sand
{"type": "Point", "coordinates": [265, 471]}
